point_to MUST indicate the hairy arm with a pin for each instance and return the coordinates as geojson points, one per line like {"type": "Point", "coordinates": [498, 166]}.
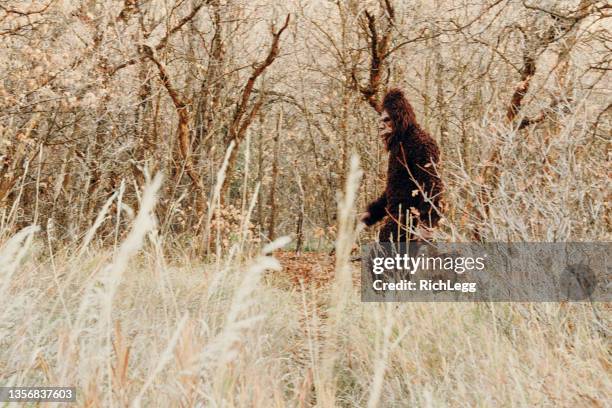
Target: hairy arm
{"type": "Point", "coordinates": [376, 210]}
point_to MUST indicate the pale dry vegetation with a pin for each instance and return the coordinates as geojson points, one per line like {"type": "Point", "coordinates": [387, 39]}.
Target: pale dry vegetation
{"type": "Point", "coordinates": [151, 152]}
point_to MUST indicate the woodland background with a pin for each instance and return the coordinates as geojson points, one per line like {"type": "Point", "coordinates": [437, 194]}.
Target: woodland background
{"type": "Point", "coordinates": [96, 94]}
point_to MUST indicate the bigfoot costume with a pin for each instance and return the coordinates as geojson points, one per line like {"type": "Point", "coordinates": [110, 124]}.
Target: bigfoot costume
{"type": "Point", "coordinates": [413, 184]}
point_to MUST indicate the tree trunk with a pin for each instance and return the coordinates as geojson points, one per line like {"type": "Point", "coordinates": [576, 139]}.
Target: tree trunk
{"type": "Point", "coordinates": [272, 202]}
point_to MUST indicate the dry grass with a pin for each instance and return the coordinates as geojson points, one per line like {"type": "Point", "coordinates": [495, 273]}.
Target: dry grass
{"type": "Point", "coordinates": [147, 330]}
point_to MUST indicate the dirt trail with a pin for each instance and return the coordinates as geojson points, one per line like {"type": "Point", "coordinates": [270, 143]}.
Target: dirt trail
{"type": "Point", "coordinates": [313, 268]}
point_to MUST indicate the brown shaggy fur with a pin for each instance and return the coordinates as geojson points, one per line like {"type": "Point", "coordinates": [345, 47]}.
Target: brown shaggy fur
{"type": "Point", "coordinates": [413, 183]}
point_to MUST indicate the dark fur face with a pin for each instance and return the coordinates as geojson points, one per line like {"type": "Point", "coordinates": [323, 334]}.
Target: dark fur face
{"type": "Point", "coordinates": [399, 109]}
{"type": "Point", "coordinates": [385, 125]}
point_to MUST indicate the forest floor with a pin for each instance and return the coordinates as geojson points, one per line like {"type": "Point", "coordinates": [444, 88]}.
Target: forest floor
{"type": "Point", "coordinates": [311, 268]}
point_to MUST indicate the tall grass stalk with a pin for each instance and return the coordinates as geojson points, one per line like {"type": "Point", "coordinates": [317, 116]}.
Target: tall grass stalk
{"type": "Point", "coordinates": [325, 382]}
{"type": "Point", "coordinates": [215, 200]}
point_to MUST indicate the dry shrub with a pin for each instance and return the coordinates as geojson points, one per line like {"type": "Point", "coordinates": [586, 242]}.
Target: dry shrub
{"type": "Point", "coordinates": [230, 225]}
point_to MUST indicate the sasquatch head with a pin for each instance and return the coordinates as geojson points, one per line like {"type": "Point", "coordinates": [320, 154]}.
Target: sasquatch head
{"type": "Point", "coordinates": [397, 115]}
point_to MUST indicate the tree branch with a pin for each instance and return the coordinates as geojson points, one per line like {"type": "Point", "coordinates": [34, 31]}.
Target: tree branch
{"type": "Point", "coordinates": [163, 42]}
{"type": "Point", "coordinates": [180, 105]}
{"type": "Point", "coordinates": [379, 51]}
{"type": "Point", "coordinates": [527, 72]}
{"type": "Point", "coordinates": [237, 128]}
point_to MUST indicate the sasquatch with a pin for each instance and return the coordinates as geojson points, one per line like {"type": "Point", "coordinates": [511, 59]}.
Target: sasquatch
{"type": "Point", "coordinates": [412, 194]}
